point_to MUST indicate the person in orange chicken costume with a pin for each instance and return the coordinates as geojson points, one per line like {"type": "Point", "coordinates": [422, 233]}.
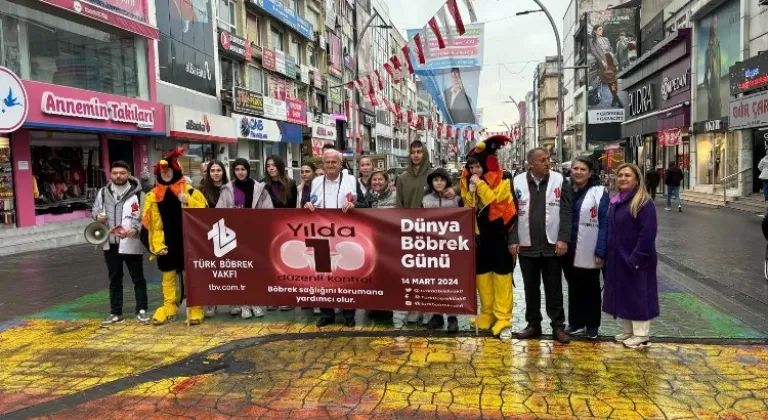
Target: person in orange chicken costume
{"type": "Point", "coordinates": [162, 231]}
{"type": "Point", "coordinates": [485, 187]}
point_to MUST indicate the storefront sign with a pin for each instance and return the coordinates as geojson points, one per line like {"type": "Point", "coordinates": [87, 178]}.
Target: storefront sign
{"type": "Point", "coordinates": [15, 105]}
{"type": "Point", "coordinates": [131, 8]}
{"type": "Point", "coordinates": [275, 109]}
{"type": "Point", "coordinates": [288, 16]}
{"type": "Point", "coordinates": [334, 94]}
{"type": "Point", "coordinates": [255, 128]}
{"type": "Point", "coordinates": [304, 70]}
{"type": "Point", "coordinates": [717, 125]}
{"type": "Point", "coordinates": [236, 46]}
{"type": "Point", "coordinates": [749, 74]}
{"type": "Point", "coordinates": [94, 109]}
{"type": "Point", "coordinates": [671, 137]}
{"type": "Point", "coordinates": [290, 66]}
{"type": "Point", "coordinates": [247, 101]}
{"type": "Point", "coordinates": [317, 79]}
{"type": "Point", "coordinates": [268, 59]}
{"type": "Point", "coordinates": [641, 100]}
{"type": "Point", "coordinates": [369, 119]}
{"type": "Point", "coordinates": [107, 16]}
{"type": "Point", "coordinates": [279, 87]}
{"type": "Point", "coordinates": [297, 111]}
{"type": "Point", "coordinates": [192, 124]}
{"type": "Point", "coordinates": [749, 111]}
{"type": "Point", "coordinates": [670, 85]}
{"type": "Point", "coordinates": [365, 259]}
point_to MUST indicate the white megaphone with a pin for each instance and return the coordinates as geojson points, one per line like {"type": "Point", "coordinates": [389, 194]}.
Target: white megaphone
{"type": "Point", "coordinates": [96, 233]}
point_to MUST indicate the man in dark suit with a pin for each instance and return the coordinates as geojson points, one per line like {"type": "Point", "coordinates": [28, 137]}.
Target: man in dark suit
{"type": "Point", "coordinates": [457, 101]}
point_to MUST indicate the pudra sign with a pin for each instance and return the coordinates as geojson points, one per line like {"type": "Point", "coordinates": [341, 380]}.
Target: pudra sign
{"type": "Point", "coordinates": [641, 100]}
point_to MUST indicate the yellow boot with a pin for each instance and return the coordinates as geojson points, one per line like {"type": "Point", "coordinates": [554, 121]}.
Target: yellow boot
{"type": "Point", "coordinates": [168, 311]}
{"type": "Point", "coordinates": [196, 315]}
{"type": "Point", "coordinates": [485, 289]}
{"type": "Point", "coordinates": [502, 302]}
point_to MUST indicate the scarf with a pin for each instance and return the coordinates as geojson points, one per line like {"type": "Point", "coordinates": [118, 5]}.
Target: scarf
{"type": "Point", "coordinates": [246, 186]}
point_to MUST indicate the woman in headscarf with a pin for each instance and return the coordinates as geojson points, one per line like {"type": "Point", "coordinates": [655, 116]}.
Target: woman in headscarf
{"type": "Point", "coordinates": [244, 192]}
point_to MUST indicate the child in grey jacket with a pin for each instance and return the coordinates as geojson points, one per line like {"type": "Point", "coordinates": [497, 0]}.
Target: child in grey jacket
{"type": "Point", "coordinates": [437, 183]}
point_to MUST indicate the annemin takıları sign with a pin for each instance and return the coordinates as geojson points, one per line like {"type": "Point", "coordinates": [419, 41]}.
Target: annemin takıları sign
{"type": "Point", "coordinates": [423, 262]}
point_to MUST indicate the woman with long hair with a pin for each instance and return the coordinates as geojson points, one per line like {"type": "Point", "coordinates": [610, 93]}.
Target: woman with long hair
{"type": "Point", "coordinates": [215, 177]}
{"type": "Point", "coordinates": [244, 193]}
{"type": "Point", "coordinates": [631, 288]}
{"type": "Point", "coordinates": [365, 166]}
{"type": "Point", "coordinates": [587, 248]}
{"type": "Point", "coordinates": [305, 188]}
{"type": "Point", "coordinates": [280, 187]}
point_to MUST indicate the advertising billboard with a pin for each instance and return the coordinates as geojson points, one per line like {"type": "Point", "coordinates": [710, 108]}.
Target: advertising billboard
{"type": "Point", "coordinates": [717, 49]}
{"type": "Point", "coordinates": [186, 46]}
{"type": "Point", "coordinates": [611, 49]}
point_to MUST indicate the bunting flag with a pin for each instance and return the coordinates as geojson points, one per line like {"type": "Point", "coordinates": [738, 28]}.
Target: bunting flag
{"type": "Point", "coordinates": [410, 116]}
{"type": "Point", "coordinates": [396, 62]}
{"type": "Point", "coordinates": [453, 9]}
{"type": "Point", "coordinates": [378, 78]}
{"type": "Point", "coordinates": [350, 85]}
{"type": "Point", "coordinates": [442, 16]}
{"type": "Point", "coordinates": [471, 8]}
{"type": "Point", "coordinates": [429, 124]}
{"type": "Point", "coordinates": [471, 135]}
{"type": "Point", "coordinates": [425, 39]}
{"type": "Point", "coordinates": [390, 71]}
{"type": "Point", "coordinates": [448, 132]}
{"type": "Point", "coordinates": [419, 48]}
{"type": "Point", "coordinates": [371, 88]}
{"type": "Point", "coordinates": [360, 87]}
{"type": "Point", "coordinates": [436, 30]}
{"type": "Point", "coordinates": [374, 101]}
{"type": "Point", "coordinates": [440, 130]}
{"type": "Point", "coordinates": [407, 55]}
{"type": "Point", "coordinates": [420, 122]}
{"type": "Point", "coordinates": [398, 109]}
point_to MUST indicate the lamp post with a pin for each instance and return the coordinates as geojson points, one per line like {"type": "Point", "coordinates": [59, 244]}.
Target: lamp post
{"type": "Point", "coordinates": [522, 125]}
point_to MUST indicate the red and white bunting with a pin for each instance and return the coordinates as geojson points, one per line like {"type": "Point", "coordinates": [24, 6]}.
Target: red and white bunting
{"type": "Point", "coordinates": [390, 70]}
{"type": "Point", "coordinates": [445, 22]}
{"type": "Point", "coordinates": [425, 40]}
{"type": "Point", "coordinates": [471, 8]}
{"type": "Point", "coordinates": [407, 56]}
{"type": "Point", "coordinates": [419, 48]}
{"type": "Point", "coordinates": [378, 79]}
{"type": "Point", "coordinates": [453, 9]}
{"type": "Point", "coordinates": [436, 30]}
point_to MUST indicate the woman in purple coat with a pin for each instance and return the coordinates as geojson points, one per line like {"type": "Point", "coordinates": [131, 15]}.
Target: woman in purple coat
{"type": "Point", "coordinates": [631, 288]}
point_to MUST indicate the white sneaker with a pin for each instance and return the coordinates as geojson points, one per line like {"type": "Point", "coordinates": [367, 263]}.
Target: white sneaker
{"type": "Point", "coordinates": [414, 317]}
{"type": "Point", "coordinates": [622, 337]}
{"type": "Point", "coordinates": [235, 311]}
{"type": "Point", "coordinates": [210, 311]}
{"type": "Point", "coordinates": [398, 325]}
{"type": "Point", "coordinates": [112, 320]}
{"type": "Point", "coordinates": [667, 209]}
{"type": "Point", "coordinates": [258, 312]}
{"type": "Point", "coordinates": [245, 312]}
{"type": "Point", "coordinates": [142, 317]}
{"type": "Point", "coordinates": [637, 342]}
{"type": "Point", "coordinates": [505, 334]}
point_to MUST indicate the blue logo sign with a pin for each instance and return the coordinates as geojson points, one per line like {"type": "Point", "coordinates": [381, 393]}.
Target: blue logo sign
{"type": "Point", "coordinates": [14, 106]}
{"type": "Point", "coordinates": [749, 73]}
{"type": "Point", "coordinates": [288, 16]}
{"type": "Point", "coordinates": [255, 128]}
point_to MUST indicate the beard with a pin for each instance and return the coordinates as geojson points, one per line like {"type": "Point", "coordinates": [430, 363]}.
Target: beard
{"type": "Point", "coordinates": [120, 182]}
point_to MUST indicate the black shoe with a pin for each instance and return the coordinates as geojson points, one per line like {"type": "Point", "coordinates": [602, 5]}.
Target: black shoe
{"type": "Point", "coordinates": [530, 331]}
{"type": "Point", "coordinates": [561, 336]}
{"type": "Point", "coordinates": [323, 321]}
{"type": "Point", "coordinates": [349, 322]}
{"type": "Point", "coordinates": [591, 333]}
{"type": "Point", "coordinates": [572, 329]}
{"type": "Point", "coordinates": [436, 323]}
{"type": "Point", "coordinates": [453, 324]}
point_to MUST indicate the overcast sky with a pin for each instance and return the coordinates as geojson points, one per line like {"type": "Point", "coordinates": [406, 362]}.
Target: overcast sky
{"type": "Point", "coordinates": [517, 41]}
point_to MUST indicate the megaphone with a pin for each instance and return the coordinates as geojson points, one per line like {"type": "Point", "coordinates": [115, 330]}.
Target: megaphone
{"type": "Point", "coordinates": [96, 233]}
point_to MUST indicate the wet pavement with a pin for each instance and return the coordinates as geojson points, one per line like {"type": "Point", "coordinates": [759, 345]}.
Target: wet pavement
{"type": "Point", "coordinates": [709, 358]}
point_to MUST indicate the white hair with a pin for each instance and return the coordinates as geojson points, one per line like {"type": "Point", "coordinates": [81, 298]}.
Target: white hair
{"type": "Point", "coordinates": [338, 153]}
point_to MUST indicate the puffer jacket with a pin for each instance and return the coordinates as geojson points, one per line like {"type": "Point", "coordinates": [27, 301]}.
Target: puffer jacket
{"type": "Point", "coordinates": [125, 212]}
{"type": "Point", "coordinates": [261, 198]}
{"type": "Point", "coordinates": [385, 200]}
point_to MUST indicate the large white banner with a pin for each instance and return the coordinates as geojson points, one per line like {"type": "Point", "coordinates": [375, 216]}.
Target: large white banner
{"type": "Point", "coordinates": [749, 111]}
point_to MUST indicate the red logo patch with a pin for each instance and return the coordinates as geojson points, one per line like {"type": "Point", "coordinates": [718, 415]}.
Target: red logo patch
{"type": "Point", "coordinates": [134, 207]}
{"type": "Point", "coordinates": [350, 197]}
{"type": "Point", "coordinates": [557, 193]}
{"type": "Point", "coordinates": [593, 212]}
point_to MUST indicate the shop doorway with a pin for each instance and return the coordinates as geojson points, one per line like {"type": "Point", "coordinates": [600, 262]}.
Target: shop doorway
{"type": "Point", "coordinates": [121, 150]}
{"type": "Point", "coordinates": [760, 138]}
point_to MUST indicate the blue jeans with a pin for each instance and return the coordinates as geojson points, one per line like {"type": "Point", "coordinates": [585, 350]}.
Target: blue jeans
{"type": "Point", "coordinates": [676, 192]}
{"type": "Point", "coordinates": [765, 188]}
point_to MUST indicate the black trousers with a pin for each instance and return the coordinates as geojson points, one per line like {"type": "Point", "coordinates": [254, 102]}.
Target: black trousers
{"type": "Point", "coordinates": [536, 269]}
{"type": "Point", "coordinates": [115, 262]}
{"type": "Point", "coordinates": [651, 191]}
{"type": "Point", "coordinates": [584, 295]}
{"type": "Point", "coordinates": [331, 313]}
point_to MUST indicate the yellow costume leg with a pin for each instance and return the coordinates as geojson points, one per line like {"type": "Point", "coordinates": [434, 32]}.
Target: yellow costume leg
{"type": "Point", "coordinates": [485, 288]}
{"type": "Point", "coordinates": [502, 301]}
{"type": "Point", "coordinates": [168, 311]}
{"type": "Point", "coordinates": [196, 315]}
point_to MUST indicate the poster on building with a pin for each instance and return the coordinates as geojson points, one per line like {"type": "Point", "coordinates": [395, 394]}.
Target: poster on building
{"type": "Point", "coordinates": [611, 48]}
{"type": "Point", "coordinates": [451, 76]}
{"type": "Point", "coordinates": [186, 47]}
{"type": "Point", "coordinates": [365, 48]}
{"type": "Point", "coordinates": [425, 261]}
{"type": "Point", "coordinates": [279, 88]}
{"type": "Point", "coordinates": [334, 57]}
{"type": "Point", "coordinates": [717, 40]}
{"type": "Point", "coordinates": [275, 109]}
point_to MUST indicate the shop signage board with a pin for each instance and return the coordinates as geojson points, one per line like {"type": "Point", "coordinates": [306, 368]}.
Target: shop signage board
{"type": "Point", "coordinates": [288, 16]}
{"type": "Point", "coordinates": [131, 8]}
{"type": "Point", "coordinates": [317, 79]}
{"type": "Point", "coordinates": [323, 132]}
{"type": "Point", "coordinates": [369, 119]}
{"type": "Point", "coordinates": [188, 123]}
{"type": "Point", "coordinates": [235, 45]}
{"type": "Point", "coordinates": [361, 259]}
{"type": "Point", "coordinates": [670, 137]}
{"type": "Point", "coordinates": [718, 125]}
{"type": "Point", "coordinates": [749, 74]}
{"type": "Point", "coordinates": [749, 111]}
{"type": "Point", "coordinates": [290, 66]}
{"type": "Point", "coordinates": [671, 85]}
{"type": "Point", "coordinates": [641, 100]}
{"type": "Point", "coordinates": [304, 71]}
{"type": "Point", "coordinates": [105, 15]}
{"type": "Point", "coordinates": [268, 59]}
{"type": "Point", "coordinates": [275, 109]}
{"type": "Point", "coordinates": [257, 128]}
{"type": "Point", "coordinates": [297, 111]}
{"type": "Point", "coordinates": [15, 105]}
{"type": "Point", "coordinates": [52, 106]}
{"type": "Point", "coordinates": [247, 101]}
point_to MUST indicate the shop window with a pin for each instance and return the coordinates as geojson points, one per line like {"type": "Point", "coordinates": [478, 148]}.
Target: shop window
{"type": "Point", "coordinates": [46, 48]}
{"type": "Point", "coordinates": [252, 26]}
{"type": "Point", "coordinates": [227, 17]}
{"type": "Point", "coordinates": [255, 79]}
{"type": "Point", "coordinates": [230, 74]}
{"type": "Point", "coordinates": [67, 172]}
{"type": "Point", "coordinates": [7, 203]}
{"type": "Point", "coordinates": [255, 159]}
{"type": "Point", "coordinates": [276, 39]}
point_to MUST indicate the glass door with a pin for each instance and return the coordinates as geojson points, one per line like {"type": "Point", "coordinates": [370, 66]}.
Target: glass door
{"type": "Point", "coordinates": [7, 202]}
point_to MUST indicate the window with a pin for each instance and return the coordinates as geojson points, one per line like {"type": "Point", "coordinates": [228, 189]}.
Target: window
{"type": "Point", "coordinates": [312, 54]}
{"type": "Point", "coordinates": [46, 48]}
{"type": "Point", "coordinates": [276, 39]}
{"type": "Point", "coordinates": [230, 74]}
{"type": "Point", "coordinates": [292, 4]}
{"type": "Point", "coordinates": [227, 15]}
{"type": "Point", "coordinates": [255, 79]}
{"type": "Point", "coordinates": [252, 26]}
{"type": "Point", "coordinates": [296, 49]}
{"type": "Point", "coordinates": [313, 18]}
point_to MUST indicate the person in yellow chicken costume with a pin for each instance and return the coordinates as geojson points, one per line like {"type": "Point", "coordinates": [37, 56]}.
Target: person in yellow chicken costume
{"type": "Point", "coordinates": [162, 231]}
{"type": "Point", "coordinates": [485, 187]}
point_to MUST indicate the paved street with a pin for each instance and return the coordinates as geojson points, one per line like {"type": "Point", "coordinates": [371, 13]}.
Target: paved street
{"type": "Point", "coordinates": [709, 359]}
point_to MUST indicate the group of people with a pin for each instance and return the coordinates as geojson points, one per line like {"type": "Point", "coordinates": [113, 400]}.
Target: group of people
{"type": "Point", "coordinates": [552, 225]}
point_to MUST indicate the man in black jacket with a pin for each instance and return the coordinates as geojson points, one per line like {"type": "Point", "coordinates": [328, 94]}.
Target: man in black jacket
{"type": "Point", "coordinates": [540, 237]}
{"type": "Point", "coordinates": [673, 178]}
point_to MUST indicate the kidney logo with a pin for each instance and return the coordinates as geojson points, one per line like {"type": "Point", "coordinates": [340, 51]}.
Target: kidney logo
{"type": "Point", "coordinates": [320, 258]}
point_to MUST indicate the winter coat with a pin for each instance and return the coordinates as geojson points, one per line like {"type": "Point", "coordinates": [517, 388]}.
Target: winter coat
{"type": "Point", "coordinates": [293, 197]}
{"type": "Point", "coordinates": [125, 212]}
{"type": "Point", "coordinates": [300, 193]}
{"type": "Point", "coordinates": [763, 168]}
{"type": "Point", "coordinates": [411, 185]}
{"type": "Point", "coordinates": [601, 249]}
{"type": "Point", "coordinates": [261, 198]}
{"type": "Point", "coordinates": [631, 286]}
{"type": "Point", "coordinates": [652, 178]}
{"type": "Point", "coordinates": [432, 200]}
{"type": "Point", "coordinates": [386, 200]}
{"type": "Point", "coordinates": [673, 177]}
